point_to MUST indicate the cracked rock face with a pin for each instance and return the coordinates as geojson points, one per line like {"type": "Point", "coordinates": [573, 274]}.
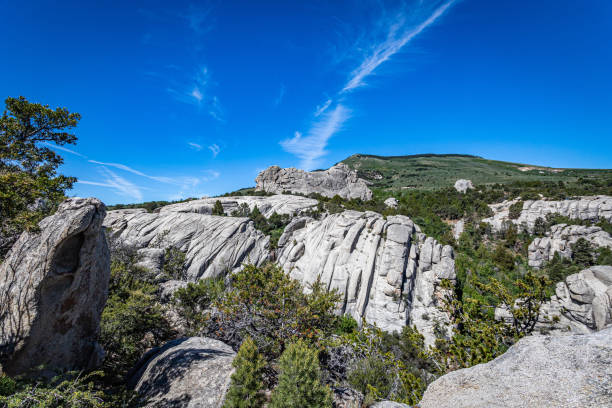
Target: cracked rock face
{"type": "Point", "coordinates": [560, 239]}
{"type": "Point", "coordinates": [213, 245]}
{"type": "Point", "coordinates": [186, 373]}
{"type": "Point", "coordinates": [581, 304]}
{"type": "Point", "coordinates": [386, 271]}
{"type": "Point", "coordinates": [339, 179]}
{"type": "Point", "coordinates": [53, 287]}
{"type": "Point", "coordinates": [539, 371]}
{"type": "Point", "coordinates": [591, 208]}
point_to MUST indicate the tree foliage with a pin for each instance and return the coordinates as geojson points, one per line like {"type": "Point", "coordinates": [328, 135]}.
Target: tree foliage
{"type": "Point", "coordinates": [247, 381]}
{"type": "Point", "coordinates": [270, 307]}
{"type": "Point", "coordinates": [30, 187]}
{"type": "Point", "coordinates": [299, 382]}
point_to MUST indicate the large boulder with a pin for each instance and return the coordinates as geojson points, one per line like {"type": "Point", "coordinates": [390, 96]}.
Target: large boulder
{"type": "Point", "coordinates": [560, 239]}
{"type": "Point", "coordinates": [538, 371]}
{"type": "Point", "coordinates": [463, 185]}
{"type": "Point", "coordinates": [592, 208]}
{"type": "Point", "coordinates": [386, 270]}
{"type": "Point", "coordinates": [186, 373]}
{"type": "Point", "coordinates": [53, 287]}
{"type": "Point", "coordinates": [338, 180]}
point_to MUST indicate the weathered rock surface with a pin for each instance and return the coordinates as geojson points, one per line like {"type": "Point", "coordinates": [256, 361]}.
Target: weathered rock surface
{"type": "Point", "coordinates": [186, 373]}
{"type": "Point", "coordinates": [591, 208]}
{"type": "Point", "coordinates": [391, 202]}
{"type": "Point", "coordinates": [463, 185]}
{"type": "Point", "coordinates": [458, 228]}
{"type": "Point", "coordinates": [583, 302]}
{"type": "Point", "coordinates": [346, 398]}
{"type": "Point", "coordinates": [53, 287]}
{"type": "Point", "coordinates": [279, 203]}
{"type": "Point", "coordinates": [213, 245]}
{"type": "Point", "coordinates": [386, 270]}
{"type": "Point", "coordinates": [339, 179]}
{"type": "Point", "coordinates": [560, 239]}
{"type": "Point", "coordinates": [390, 404]}
{"type": "Point", "coordinates": [539, 371]}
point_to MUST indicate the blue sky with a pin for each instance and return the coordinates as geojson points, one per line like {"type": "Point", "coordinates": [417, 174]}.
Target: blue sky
{"type": "Point", "coordinates": [187, 99]}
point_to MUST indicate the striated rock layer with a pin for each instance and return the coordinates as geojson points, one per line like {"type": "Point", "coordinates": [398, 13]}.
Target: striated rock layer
{"type": "Point", "coordinates": [279, 203]}
{"type": "Point", "coordinates": [213, 245]}
{"type": "Point", "coordinates": [591, 208]}
{"type": "Point", "coordinates": [386, 270]}
{"type": "Point", "coordinates": [339, 179]}
{"type": "Point", "coordinates": [560, 239]}
{"type": "Point", "coordinates": [539, 371]}
{"type": "Point", "coordinates": [53, 287]}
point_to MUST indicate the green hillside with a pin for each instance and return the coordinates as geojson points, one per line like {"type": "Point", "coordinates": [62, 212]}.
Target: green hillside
{"type": "Point", "coordinates": [442, 170]}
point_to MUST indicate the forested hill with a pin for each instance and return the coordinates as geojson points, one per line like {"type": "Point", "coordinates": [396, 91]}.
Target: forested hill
{"type": "Point", "coordinates": [430, 171]}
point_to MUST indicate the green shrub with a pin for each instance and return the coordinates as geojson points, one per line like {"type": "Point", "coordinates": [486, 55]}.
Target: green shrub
{"type": "Point", "coordinates": [582, 252]}
{"type": "Point", "coordinates": [132, 314]}
{"type": "Point", "coordinates": [247, 381]}
{"type": "Point", "coordinates": [67, 391]}
{"type": "Point", "coordinates": [218, 208]}
{"type": "Point", "coordinates": [299, 382]}
{"type": "Point", "coordinates": [371, 372]}
{"type": "Point", "coordinates": [195, 298]}
{"type": "Point", "coordinates": [174, 263]}
{"type": "Point", "coordinates": [346, 324]}
{"type": "Point", "coordinates": [515, 210]}
{"type": "Point", "coordinates": [270, 307]}
{"type": "Point", "coordinates": [8, 386]}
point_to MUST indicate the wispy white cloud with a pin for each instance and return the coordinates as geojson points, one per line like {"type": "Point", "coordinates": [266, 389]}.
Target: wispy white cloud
{"type": "Point", "coordinates": [121, 186]}
{"type": "Point", "coordinates": [401, 29]}
{"type": "Point", "coordinates": [196, 17]}
{"type": "Point", "coordinates": [281, 95]}
{"type": "Point", "coordinates": [310, 148]}
{"type": "Point", "coordinates": [400, 33]}
{"type": "Point", "coordinates": [123, 167]}
{"type": "Point", "coordinates": [215, 149]}
{"type": "Point", "coordinates": [63, 149]}
{"type": "Point", "coordinates": [322, 108]}
{"type": "Point", "coordinates": [195, 146]}
{"type": "Point", "coordinates": [211, 175]}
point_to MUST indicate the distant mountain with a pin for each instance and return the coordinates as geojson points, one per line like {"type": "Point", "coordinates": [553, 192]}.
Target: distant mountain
{"type": "Point", "coordinates": [442, 170]}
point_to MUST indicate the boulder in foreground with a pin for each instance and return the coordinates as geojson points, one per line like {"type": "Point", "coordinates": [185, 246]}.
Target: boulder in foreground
{"type": "Point", "coordinates": [190, 372]}
{"type": "Point", "coordinates": [538, 371]}
{"type": "Point", "coordinates": [53, 287]}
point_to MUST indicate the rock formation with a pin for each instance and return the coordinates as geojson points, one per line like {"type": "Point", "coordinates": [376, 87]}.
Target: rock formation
{"type": "Point", "coordinates": [338, 180]}
{"type": "Point", "coordinates": [279, 203]}
{"type": "Point", "coordinates": [591, 208]}
{"type": "Point", "coordinates": [463, 185]}
{"type": "Point", "coordinates": [53, 287]}
{"type": "Point", "coordinates": [213, 245]}
{"type": "Point", "coordinates": [391, 202]}
{"type": "Point", "coordinates": [386, 270]}
{"type": "Point", "coordinates": [185, 373]}
{"type": "Point", "coordinates": [539, 371]}
{"type": "Point", "coordinates": [581, 304]}
{"type": "Point", "coordinates": [560, 239]}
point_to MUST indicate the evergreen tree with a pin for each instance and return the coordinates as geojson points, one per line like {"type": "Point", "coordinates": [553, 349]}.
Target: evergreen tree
{"type": "Point", "coordinates": [30, 187]}
{"type": "Point", "coordinates": [247, 380]}
{"type": "Point", "coordinates": [582, 252]}
{"type": "Point", "coordinates": [299, 383]}
{"type": "Point", "coordinates": [218, 208]}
